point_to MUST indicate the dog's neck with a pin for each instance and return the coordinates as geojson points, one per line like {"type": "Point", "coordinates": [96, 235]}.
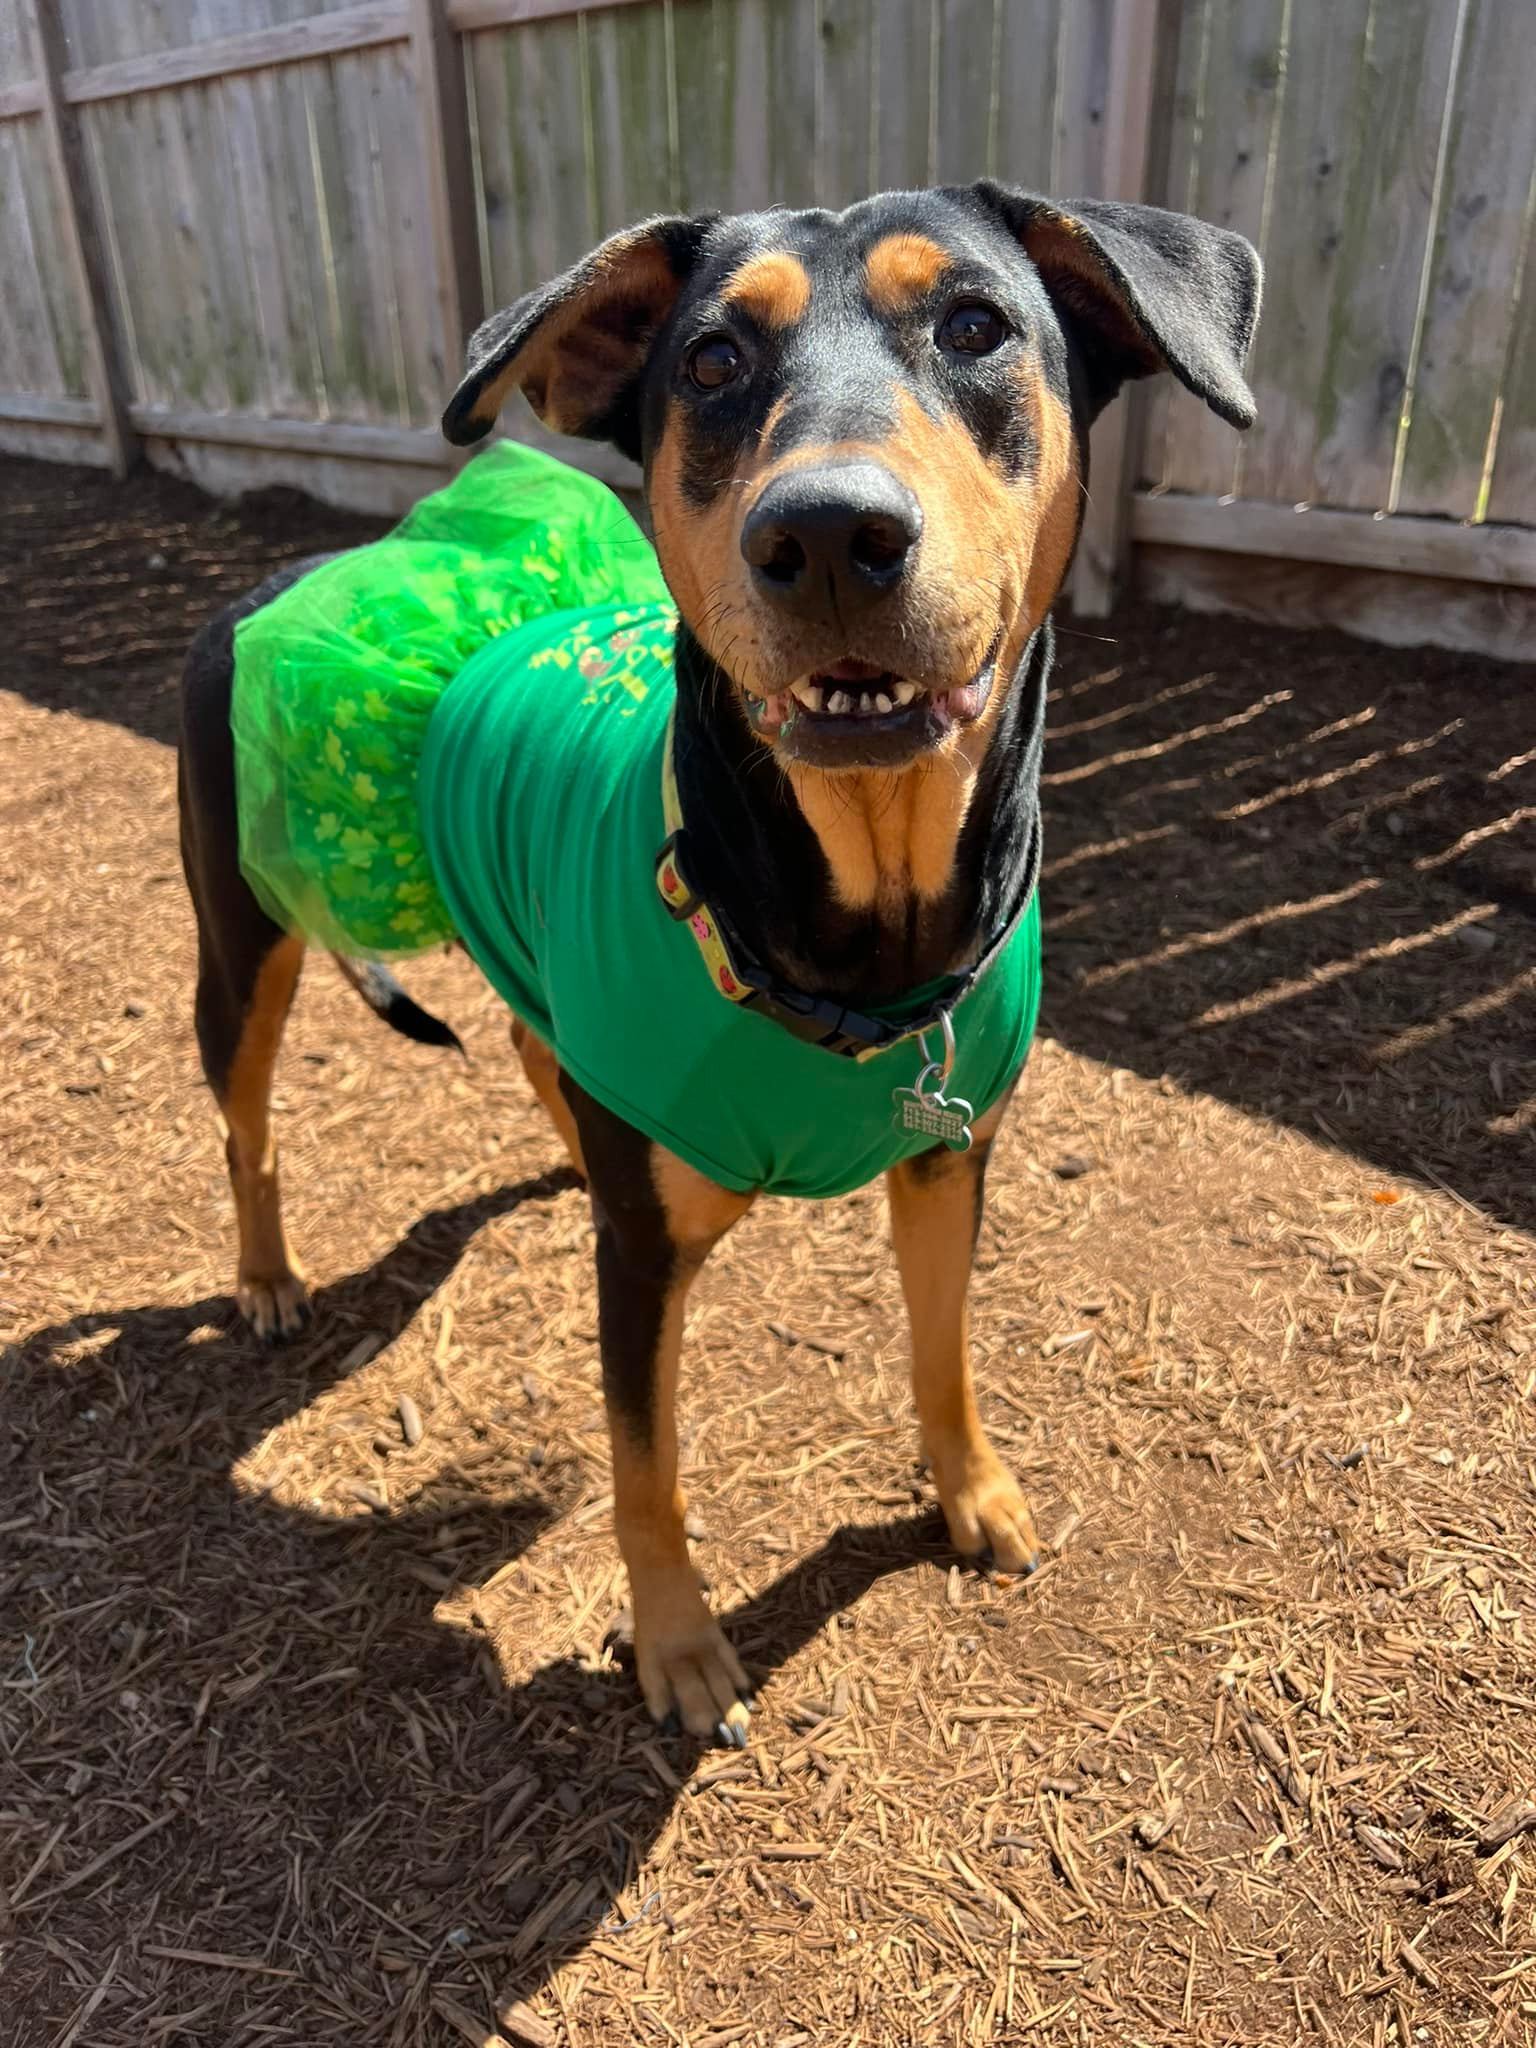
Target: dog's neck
{"type": "Point", "coordinates": [859, 887]}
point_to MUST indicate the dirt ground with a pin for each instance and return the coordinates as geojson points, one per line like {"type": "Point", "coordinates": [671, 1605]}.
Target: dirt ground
{"type": "Point", "coordinates": [309, 1733]}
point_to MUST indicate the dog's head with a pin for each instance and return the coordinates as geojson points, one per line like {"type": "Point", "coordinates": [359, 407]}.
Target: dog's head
{"type": "Point", "coordinates": [864, 434]}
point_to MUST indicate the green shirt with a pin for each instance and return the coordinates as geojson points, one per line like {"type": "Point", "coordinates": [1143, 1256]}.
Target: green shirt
{"type": "Point", "coordinates": [541, 808]}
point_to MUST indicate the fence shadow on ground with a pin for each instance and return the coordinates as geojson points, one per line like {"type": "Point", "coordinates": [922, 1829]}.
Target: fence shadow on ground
{"type": "Point", "coordinates": [485, 1831]}
{"type": "Point", "coordinates": [1299, 873]}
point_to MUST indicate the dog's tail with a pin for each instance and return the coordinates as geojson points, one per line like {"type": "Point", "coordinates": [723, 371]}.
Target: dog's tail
{"type": "Point", "coordinates": [387, 999]}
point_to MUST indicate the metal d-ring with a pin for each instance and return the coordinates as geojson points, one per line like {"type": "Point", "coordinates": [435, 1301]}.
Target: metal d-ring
{"type": "Point", "coordinates": [946, 1066]}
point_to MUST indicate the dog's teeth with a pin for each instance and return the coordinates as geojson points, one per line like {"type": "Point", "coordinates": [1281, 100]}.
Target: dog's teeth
{"type": "Point", "coordinates": [810, 695]}
{"type": "Point", "coordinates": [905, 692]}
{"type": "Point", "coordinates": [882, 702]}
{"type": "Point", "coordinates": [839, 703]}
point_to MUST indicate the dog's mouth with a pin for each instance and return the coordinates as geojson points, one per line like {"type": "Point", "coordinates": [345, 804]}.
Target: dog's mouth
{"type": "Point", "coordinates": [855, 714]}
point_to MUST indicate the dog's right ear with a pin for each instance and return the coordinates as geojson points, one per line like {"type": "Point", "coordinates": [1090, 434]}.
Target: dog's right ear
{"type": "Point", "coordinates": [576, 346]}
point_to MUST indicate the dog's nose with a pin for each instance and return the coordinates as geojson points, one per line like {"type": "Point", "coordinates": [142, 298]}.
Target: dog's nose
{"type": "Point", "coordinates": [827, 544]}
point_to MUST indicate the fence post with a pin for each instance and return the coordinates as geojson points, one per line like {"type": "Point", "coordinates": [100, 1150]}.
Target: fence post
{"type": "Point", "coordinates": [82, 245]}
{"type": "Point", "coordinates": [438, 59]}
{"type": "Point", "coordinates": [1142, 43]}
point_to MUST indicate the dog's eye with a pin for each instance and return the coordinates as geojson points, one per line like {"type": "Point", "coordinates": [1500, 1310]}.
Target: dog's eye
{"type": "Point", "coordinates": [714, 361]}
{"type": "Point", "coordinates": [973, 328]}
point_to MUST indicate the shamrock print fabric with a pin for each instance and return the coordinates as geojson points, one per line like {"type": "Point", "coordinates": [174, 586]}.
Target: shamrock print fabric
{"type": "Point", "coordinates": [337, 679]}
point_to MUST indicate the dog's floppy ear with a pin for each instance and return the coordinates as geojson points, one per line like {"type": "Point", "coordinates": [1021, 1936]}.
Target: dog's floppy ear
{"type": "Point", "coordinates": [1143, 290]}
{"type": "Point", "coordinates": [576, 346]}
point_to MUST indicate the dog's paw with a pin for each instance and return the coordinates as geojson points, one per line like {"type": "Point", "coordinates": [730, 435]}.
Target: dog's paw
{"type": "Point", "coordinates": [276, 1307]}
{"type": "Point", "coordinates": [690, 1675]}
{"type": "Point", "coordinates": [987, 1511]}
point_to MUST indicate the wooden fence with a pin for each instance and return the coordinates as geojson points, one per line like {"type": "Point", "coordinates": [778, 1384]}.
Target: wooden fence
{"type": "Point", "coordinates": [247, 236]}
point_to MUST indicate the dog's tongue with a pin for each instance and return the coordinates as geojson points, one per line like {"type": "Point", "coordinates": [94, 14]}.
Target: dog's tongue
{"type": "Point", "coordinates": [849, 671]}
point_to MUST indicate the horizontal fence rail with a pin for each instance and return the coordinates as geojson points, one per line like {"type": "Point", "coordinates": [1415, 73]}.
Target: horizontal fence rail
{"type": "Point", "coordinates": [247, 237]}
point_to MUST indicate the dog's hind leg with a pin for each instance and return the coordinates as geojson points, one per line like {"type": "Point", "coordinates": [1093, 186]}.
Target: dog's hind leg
{"type": "Point", "coordinates": [247, 970]}
{"type": "Point", "coordinates": [240, 1021]}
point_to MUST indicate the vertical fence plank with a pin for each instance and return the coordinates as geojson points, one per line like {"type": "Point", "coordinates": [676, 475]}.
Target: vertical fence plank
{"type": "Point", "coordinates": [635, 164]}
{"type": "Point", "coordinates": [788, 86]}
{"type": "Point", "coordinates": [1082, 92]}
{"type": "Point", "coordinates": [442, 125]}
{"type": "Point", "coordinates": [1512, 494]}
{"type": "Point", "coordinates": [550, 112]}
{"type": "Point", "coordinates": [81, 241]}
{"type": "Point", "coordinates": [360, 84]}
{"type": "Point", "coordinates": [170, 337]}
{"type": "Point", "coordinates": [289, 200]}
{"type": "Point", "coordinates": [14, 63]}
{"type": "Point", "coordinates": [107, 131]}
{"type": "Point", "coordinates": [1171, 174]}
{"type": "Point", "coordinates": [508, 269]}
{"type": "Point", "coordinates": [1397, 120]}
{"type": "Point", "coordinates": [32, 337]}
{"type": "Point", "coordinates": [1244, 69]}
{"type": "Point", "coordinates": [847, 143]}
{"type": "Point", "coordinates": [704, 42]}
{"type": "Point", "coordinates": [50, 279]}
{"type": "Point", "coordinates": [431, 368]}
{"type": "Point", "coordinates": [748, 168]}
{"type": "Point", "coordinates": [28, 359]}
{"type": "Point", "coordinates": [309, 122]}
{"type": "Point", "coordinates": [1140, 54]}
{"type": "Point", "coordinates": [1478, 239]}
{"type": "Point", "coordinates": [904, 91]}
{"type": "Point", "coordinates": [206, 170]}
{"type": "Point", "coordinates": [250, 200]}
{"type": "Point", "coordinates": [1027, 58]}
{"type": "Point", "coordinates": [1315, 150]}
{"type": "Point", "coordinates": [969, 32]}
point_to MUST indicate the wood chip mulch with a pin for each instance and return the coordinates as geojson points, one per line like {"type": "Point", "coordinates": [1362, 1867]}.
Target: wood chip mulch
{"type": "Point", "coordinates": [312, 1729]}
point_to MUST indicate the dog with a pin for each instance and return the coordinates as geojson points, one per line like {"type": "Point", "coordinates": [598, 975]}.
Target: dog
{"type": "Point", "coordinates": [864, 441]}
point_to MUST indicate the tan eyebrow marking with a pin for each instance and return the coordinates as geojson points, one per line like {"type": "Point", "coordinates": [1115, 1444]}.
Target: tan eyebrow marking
{"type": "Point", "coordinates": [902, 270]}
{"type": "Point", "coordinates": [773, 289]}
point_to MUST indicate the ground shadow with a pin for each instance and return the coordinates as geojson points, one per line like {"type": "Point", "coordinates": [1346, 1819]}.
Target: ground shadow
{"type": "Point", "coordinates": [324, 1771]}
{"type": "Point", "coordinates": [1298, 872]}
{"type": "Point", "coordinates": [105, 583]}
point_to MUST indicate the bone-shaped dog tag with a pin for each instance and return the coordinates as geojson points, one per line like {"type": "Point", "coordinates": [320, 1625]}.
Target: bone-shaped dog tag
{"type": "Point", "coordinates": [931, 1113]}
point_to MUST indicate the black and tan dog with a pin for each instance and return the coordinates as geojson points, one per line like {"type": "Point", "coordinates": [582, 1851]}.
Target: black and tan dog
{"type": "Point", "coordinates": [864, 444]}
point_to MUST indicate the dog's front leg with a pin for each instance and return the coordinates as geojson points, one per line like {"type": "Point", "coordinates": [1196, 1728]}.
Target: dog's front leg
{"type": "Point", "coordinates": [936, 1204]}
{"type": "Point", "coordinates": [656, 1222]}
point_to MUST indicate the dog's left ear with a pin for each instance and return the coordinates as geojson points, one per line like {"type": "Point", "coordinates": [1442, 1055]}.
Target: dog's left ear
{"type": "Point", "coordinates": [576, 346]}
{"type": "Point", "coordinates": [1143, 290]}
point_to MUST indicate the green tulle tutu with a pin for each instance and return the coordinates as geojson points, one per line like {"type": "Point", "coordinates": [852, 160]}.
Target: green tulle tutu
{"type": "Point", "coordinates": [336, 680]}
